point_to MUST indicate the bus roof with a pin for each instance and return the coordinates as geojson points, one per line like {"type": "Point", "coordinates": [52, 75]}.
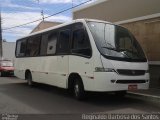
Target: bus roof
{"type": "Point", "coordinates": [61, 25]}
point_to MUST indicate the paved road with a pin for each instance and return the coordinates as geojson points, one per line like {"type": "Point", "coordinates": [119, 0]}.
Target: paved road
{"type": "Point", "coordinates": [18, 98]}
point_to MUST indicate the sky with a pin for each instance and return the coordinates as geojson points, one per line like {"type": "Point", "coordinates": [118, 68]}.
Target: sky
{"type": "Point", "coordinates": [18, 12]}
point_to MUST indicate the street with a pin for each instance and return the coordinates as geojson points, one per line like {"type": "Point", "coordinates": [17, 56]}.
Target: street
{"type": "Point", "coordinates": [16, 97]}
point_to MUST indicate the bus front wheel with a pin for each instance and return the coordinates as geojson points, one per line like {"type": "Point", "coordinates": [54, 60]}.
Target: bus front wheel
{"type": "Point", "coordinates": [1, 74]}
{"type": "Point", "coordinates": [79, 92]}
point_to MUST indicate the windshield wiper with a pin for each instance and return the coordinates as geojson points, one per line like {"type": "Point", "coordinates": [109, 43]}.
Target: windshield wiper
{"type": "Point", "coordinates": [121, 50]}
{"type": "Point", "coordinates": [114, 49]}
{"type": "Point", "coordinates": [110, 48]}
{"type": "Point", "coordinates": [135, 53]}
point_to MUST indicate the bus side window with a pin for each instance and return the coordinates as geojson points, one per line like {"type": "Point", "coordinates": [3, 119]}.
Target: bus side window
{"type": "Point", "coordinates": [21, 48]}
{"type": "Point", "coordinates": [33, 45]}
{"type": "Point", "coordinates": [52, 42]}
{"type": "Point", "coordinates": [48, 43]}
{"type": "Point", "coordinates": [80, 43]}
{"type": "Point", "coordinates": [44, 42]}
{"type": "Point", "coordinates": [63, 42]}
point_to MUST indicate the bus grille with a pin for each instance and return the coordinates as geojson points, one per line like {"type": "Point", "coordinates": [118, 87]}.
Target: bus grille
{"type": "Point", "coordinates": [131, 72]}
{"type": "Point", "coordinates": [130, 81]}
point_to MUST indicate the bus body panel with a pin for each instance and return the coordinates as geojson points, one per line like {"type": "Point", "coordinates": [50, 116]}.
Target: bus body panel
{"type": "Point", "coordinates": [84, 67]}
{"type": "Point", "coordinates": [19, 67]}
{"type": "Point", "coordinates": [62, 70]}
{"type": "Point", "coordinates": [43, 69]}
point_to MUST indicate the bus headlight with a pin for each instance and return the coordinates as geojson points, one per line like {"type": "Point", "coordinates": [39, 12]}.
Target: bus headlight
{"type": "Point", "coordinates": [99, 69]}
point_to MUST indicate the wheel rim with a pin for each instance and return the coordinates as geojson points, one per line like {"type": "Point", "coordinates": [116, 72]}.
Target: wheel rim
{"type": "Point", "coordinates": [76, 90]}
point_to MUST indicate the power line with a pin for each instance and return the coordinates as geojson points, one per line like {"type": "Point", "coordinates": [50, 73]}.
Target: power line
{"type": "Point", "coordinates": [48, 16]}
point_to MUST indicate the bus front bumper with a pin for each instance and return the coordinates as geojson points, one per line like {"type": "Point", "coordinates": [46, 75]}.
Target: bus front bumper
{"type": "Point", "coordinates": [108, 81]}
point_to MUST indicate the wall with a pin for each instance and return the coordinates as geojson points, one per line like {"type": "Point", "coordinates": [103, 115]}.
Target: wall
{"type": "Point", "coordinates": [118, 10]}
{"type": "Point", "coordinates": [44, 25]}
{"type": "Point", "coordinates": [8, 50]}
{"type": "Point", "coordinates": [154, 76]}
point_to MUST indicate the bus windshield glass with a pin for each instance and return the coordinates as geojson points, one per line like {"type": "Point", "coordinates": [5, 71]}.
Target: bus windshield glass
{"type": "Point", "coordinates": [115, 42]}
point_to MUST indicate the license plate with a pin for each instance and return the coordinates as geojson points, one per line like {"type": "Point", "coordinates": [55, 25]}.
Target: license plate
{"type": "Point", "coordinates": [132, 87]}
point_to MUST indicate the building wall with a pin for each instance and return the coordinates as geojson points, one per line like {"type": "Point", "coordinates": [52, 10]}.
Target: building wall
{"type": "Point", "coordinates": [154, 76]}
{"type": "Point", "coordinates": [8, 50]}
{"type": "Point", "coordinates": [118, 10]}
{"type": "Point", "coordinates": [44, 25]}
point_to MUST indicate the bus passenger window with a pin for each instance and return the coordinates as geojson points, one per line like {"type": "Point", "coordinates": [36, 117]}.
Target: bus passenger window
{"type": "Point", "coordinates": [80, 43]}
{"type": "Point", "coordinates": [63, 43]}
{"type": "Point", "coordinates": [33, 46]}
{"type": "Point", "coordinates": [52, 41]}
{"type": "Point", "coordinates": [21, 48]}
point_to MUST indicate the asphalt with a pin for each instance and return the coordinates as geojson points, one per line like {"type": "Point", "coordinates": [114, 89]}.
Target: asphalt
{"type": "Point", "coordinates": [150, 95]}
{"type": "Point", "coordinates": [44, 101]}
{"type": "Point", "coordinates": [151, 91]}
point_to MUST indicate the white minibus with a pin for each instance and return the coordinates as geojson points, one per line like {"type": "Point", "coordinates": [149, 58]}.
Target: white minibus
{"type": "Point", "coordinates": [83, 55]}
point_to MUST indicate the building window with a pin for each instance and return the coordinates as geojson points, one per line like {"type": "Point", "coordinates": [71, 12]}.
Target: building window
{"type": "Point", "coordinates": [63, 42]}
{"type": "Point", "coordinates": [33, 46]}
{"type": "Point", "coordinates": [80, 43]}
{"type": "Point", "coordinates": [21, 48]}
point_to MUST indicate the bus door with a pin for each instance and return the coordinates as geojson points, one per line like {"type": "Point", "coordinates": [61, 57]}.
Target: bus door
{"type": "Point", "coordinates": [63, 57]}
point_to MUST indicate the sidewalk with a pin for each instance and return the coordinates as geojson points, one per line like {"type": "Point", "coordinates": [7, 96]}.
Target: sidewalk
{"type": "Point", "coordinates": [151, 95]}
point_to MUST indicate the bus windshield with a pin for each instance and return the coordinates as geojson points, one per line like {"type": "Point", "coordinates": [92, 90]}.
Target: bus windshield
{"type": "Point", "coordinates": [115, 42]}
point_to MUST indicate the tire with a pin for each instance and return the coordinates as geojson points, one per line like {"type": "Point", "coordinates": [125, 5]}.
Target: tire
{"type": "Point", "coordinates": [1, 74]}
{"type": "Point", "coordinates": [120, 94]}
{"type": "Point", "coordinates": [29, 79]}
{"type": "Point", "coordinates": [78, 90]}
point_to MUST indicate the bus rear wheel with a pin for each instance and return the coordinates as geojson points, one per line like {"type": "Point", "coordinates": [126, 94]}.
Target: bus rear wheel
{"type": "Point", "coordinates": [29, 79]}
{"type": "Point", "coordinates": [79, 92]}
{"type": "Point", "coordinates": [1, 74]}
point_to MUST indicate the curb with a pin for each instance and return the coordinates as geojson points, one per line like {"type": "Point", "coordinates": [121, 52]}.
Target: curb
{"type": "Point", "coordinates": [145, 97]}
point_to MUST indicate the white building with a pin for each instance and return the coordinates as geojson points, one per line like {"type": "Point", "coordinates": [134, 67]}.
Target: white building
{"type": "Point", "coordinates": [8, 49]}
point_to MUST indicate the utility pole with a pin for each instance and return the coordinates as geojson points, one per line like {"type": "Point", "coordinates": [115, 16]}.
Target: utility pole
{"type": "Point", "coordinates": [1, 55]}
{"type": "Point", "coordinates": [42, 12]}
{"type": "Point", "coordinates": [72, 4]}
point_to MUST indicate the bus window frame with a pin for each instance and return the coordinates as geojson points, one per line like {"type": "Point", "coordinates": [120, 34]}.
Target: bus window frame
{"type": "Point", "coordinates": [86, 37]}
{"type": "Point", "coordinates": [39, 47]}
